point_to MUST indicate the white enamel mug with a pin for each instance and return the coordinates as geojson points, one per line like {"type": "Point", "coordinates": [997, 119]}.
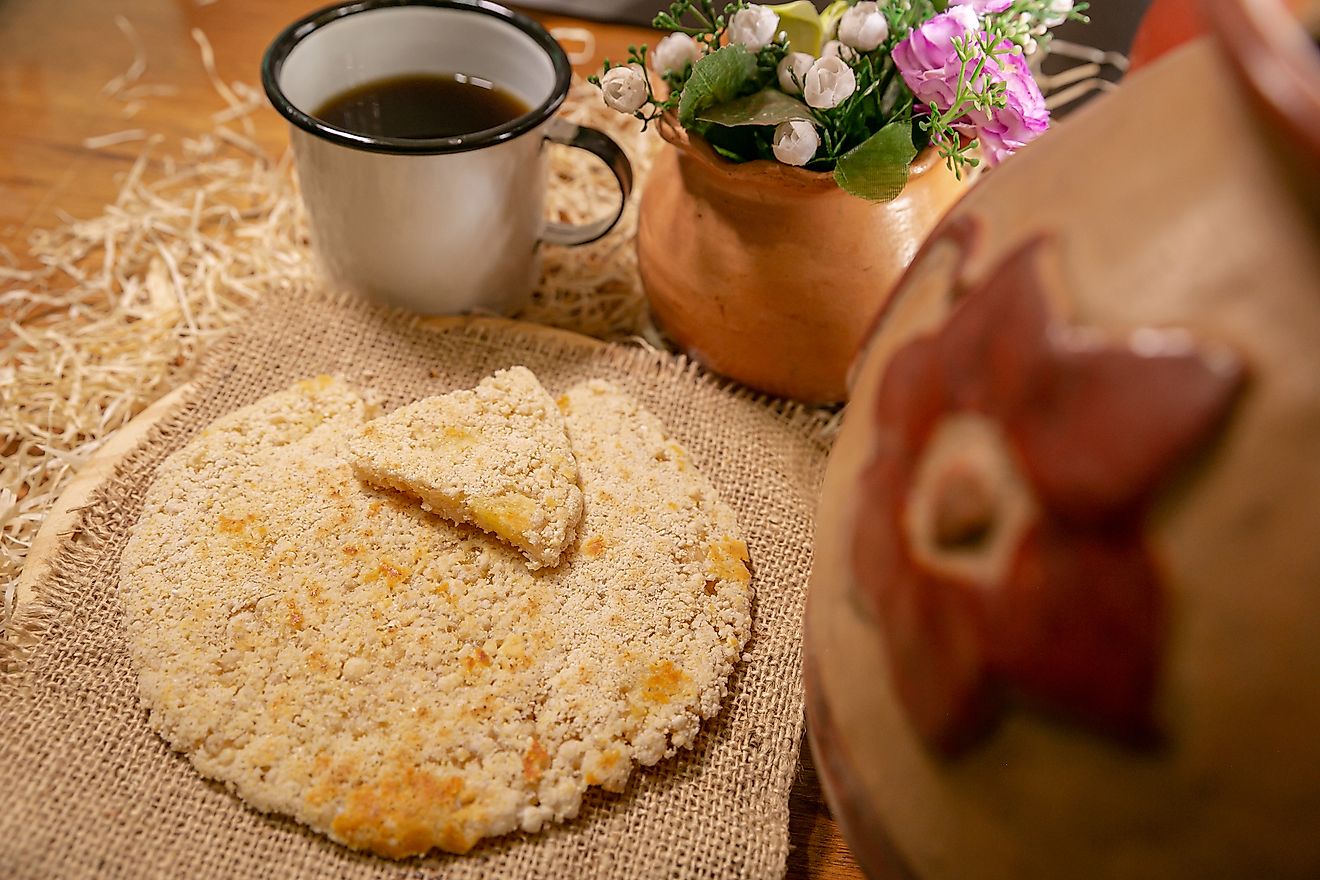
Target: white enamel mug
{"type": "Point", "coordinates": [441, 225]}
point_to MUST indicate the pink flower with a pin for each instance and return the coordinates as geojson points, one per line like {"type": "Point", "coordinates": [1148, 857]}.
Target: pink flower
{"type": "Point", "coordinates": [981, 7]}
{"type": "Point", "coordinates": [928, 62]}
{"type": "Point", "coordinates": [1023, 117]}
{"type": "Point", "coordinates": [926, 57]}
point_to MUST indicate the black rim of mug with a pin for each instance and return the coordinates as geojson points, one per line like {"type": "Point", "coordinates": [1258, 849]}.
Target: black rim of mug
{"type": "Point", "coordinates": [273, 63]}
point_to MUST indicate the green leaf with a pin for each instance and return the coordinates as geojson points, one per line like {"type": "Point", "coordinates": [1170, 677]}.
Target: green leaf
{"type": "Point", "coordinates": [768, 107]}
{"type": "Point", "coordinates": [728, 154]}
{"type": "Point", "coordinates": [878, 168]}
{"type": "Point", "coordinates": [716, 79]}
{"type": "Point", "coordinates": [736, 144]}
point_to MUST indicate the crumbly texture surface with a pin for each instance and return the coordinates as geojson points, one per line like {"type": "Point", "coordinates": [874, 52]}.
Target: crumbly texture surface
{"type": "Point", "coordinates": [333, 652]}
{"type": "Point", "coordinates": [496, 456]}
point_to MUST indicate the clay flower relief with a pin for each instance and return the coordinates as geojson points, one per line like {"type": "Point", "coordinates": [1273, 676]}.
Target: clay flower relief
{"type": "Point", "coordinates": [1001, 544]}
{"type": "Point", "coordinates": [876, 80]}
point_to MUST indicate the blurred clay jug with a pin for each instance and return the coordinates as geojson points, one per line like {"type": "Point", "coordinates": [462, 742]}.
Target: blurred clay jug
{"type": "Point", "coordinates": [1065, 615]}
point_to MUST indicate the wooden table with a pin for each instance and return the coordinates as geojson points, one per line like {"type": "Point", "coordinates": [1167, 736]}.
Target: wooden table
{"type": "Point", "coordinates": [56, 56]}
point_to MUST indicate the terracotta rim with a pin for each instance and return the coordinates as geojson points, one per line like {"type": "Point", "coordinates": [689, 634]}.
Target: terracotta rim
{"type": "Point", "coordinates": [1277, 60]}
{"type": "Point", "coordinates": [926, 161]}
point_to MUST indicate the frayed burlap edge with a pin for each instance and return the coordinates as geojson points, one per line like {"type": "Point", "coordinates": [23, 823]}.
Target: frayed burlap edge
{"type": "Point", "coordinates": [102, 520]}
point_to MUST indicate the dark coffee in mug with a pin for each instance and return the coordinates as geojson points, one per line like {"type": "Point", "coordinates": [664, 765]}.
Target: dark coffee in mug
{"type": "Point", "coordinates": [422, 106]}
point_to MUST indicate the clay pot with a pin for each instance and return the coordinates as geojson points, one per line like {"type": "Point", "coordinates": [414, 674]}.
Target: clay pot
{"type": "Point", "coordinates": [1166, 25]}
{"type": "Point", "coordinates": [1169, 24]}
{"type": "Point", "coordinates": [769, 274]}
{"type": "Point", "coordinates": [1066, 605]}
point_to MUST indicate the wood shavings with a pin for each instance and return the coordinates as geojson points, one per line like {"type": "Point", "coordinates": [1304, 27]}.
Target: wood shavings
{"type": "Point", "coordinates": [115, 87]}
{"type": "Point", "coordinates": [114, 138]}
{"type": "Point", "coordinates": [113, 311]}
{"type": "Point", "coordinates": [240, 98]}
{"type": "Point", "coordinates": [128, 91]}
{"type": "Point", "coordinates": [121, 307]}
{"type": "Point", "coordinates": [137, 93]}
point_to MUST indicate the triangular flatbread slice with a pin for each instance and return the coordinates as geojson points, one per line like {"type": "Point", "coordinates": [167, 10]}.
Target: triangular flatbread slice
{"type": "Point", "coordinates": [496, 456]}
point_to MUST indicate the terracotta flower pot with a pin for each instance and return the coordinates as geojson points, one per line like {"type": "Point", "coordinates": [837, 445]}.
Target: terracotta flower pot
{"type": "Point", "coordinates": [1065, 609]}
{"type": "Point", "coordinates": [769, 274]}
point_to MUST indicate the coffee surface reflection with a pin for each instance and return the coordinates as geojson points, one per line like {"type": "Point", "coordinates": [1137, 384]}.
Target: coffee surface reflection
{"type": "Point", "coordinates": [422, 106]}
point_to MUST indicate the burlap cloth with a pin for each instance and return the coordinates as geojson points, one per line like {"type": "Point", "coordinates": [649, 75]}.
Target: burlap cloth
{"type": "Point", "coordinates": [86, 790]}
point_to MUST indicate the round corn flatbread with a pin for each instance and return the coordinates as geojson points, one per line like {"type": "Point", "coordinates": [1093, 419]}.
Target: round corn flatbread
{"type": "Point", "coordinates": [333, 652]}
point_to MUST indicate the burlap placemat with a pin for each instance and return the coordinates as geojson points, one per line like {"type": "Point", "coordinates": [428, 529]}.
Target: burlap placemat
{"type": "Point", "coordinates": [86, 790]}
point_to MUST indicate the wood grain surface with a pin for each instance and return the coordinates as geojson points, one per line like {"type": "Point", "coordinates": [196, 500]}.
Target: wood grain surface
{"type": "Point", "coordinates": [56, 57]}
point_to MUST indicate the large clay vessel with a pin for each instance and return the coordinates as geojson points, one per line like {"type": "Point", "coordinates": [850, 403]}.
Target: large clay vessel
{"type": "Point", "coordinates": [1065, 615]}
{"type": "Point", "coordinates": [769, 274]}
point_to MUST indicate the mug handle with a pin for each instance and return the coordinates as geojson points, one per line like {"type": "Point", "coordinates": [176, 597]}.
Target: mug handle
{"type": "Point", "coordinates": [561, 131]}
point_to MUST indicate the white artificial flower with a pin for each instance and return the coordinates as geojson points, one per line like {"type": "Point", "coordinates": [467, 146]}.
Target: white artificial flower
{"type": "Point", "coordinates": [829, 83]}
{"type": "Point", "coordinates": [794, 67]}
{"type": "Point", "coordinates": [674, 53]}
{"type": "Point", "coordinates": [753, 27]}
{"type": "Point", "coordinates": [835, 49]}
{"type": "Point", "coordinates": [624, 88]}
{"type": "Point", "coordinates": [864, 27]}
{"type": "Point", "coordinates": [796, 142]}
{"type": "Point", "coordinates": [1060, 8]}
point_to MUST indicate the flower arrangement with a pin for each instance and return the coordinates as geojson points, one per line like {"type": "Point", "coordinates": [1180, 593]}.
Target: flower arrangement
{"type": "Point", "coordinates": [857, 90]}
